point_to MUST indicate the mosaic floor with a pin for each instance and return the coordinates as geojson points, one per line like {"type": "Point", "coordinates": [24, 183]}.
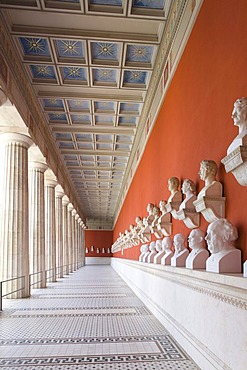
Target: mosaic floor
{"type": "Point", "coordinates": [88, 320]}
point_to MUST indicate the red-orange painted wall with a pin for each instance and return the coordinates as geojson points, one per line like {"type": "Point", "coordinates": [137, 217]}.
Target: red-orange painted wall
{"type": "Point", "coordinates": [99, 239]}
{"type": "Point", "coordinates": [195, 122]}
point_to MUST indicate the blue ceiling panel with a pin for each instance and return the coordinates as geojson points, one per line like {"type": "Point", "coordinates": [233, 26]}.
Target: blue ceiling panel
{"type": "Point", "coordinates": [139, 53]}
{"type": "Point", "coordinates": [127, 121]}
{"type": "Point", "coordinates": [79, 105]}
{"type": "Point", "coordinates": [57, 117]}
{"type": "Point", "coordinates": [150, 4]}
{"type": "Point", "coordinates": [104, 51]}
{"type": "Point", "coordinates": [35, 46]}
{"type": "Point", "coordinates": [105, 106]}
{"type": "Point", "coordinates": [129, 107]}
{"type": "Point", "coordinates": [104, 75]}
{"type": "Point", "coordinates": [106, 2]}
{"type": "Point", "coordinates": [41, 72]}
{"type": "Point", "coordinates": [60, 136]}
{"type": "Point", "coordinates": [81, 118]}
{"type": "Point", "coordinates": [76, 74]}
{"type": "Point", "coordinates": [73, 49]}
{"type": "Point", "coordinates": [53, 104]}
{"type": "Point", "coordinates": [135, 77]}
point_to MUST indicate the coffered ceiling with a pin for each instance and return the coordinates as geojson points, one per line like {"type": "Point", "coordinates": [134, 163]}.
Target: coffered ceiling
{"type": "Point", "coordinates": [90, 63]}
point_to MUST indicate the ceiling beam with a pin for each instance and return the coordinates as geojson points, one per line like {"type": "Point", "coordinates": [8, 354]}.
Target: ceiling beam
{"type": "Point", "coordinates": [85, 34]}
{"type": "Point", "coordinates": [77, 128]}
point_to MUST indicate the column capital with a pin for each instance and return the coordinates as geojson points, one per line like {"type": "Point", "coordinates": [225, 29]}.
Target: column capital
{"type": "Point", "coordinates": [59, 192]}
{"type": "Point", "coordinates": [37, 165]}
{"type": "Point", "coordinates": [77, 217]}
{"type": "Point", "coordinates": [65, 200]}
{"type": "Point", "coordinates": [74, 212]}
{"type": "Point", "coordinates": [70, 207]}
{"type": "Point", "coordinates": [50, 178]}
{"type": "Point", "coordinates": [16, 137]}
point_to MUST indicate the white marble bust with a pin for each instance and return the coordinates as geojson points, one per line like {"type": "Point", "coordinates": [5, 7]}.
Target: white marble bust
{"type": "Point", "coordinates": [152, 248]}
{"type": "Point", "coordinates": [207, 173]}
{"type": "Point", "coordinates": [143, 249]}
{"type": "Point", "coordinates": [221, 236]}
{"type": "Point", "coordinates": [181, 252]}
{"type": "Point", "coordinates": [166, 246]}
{"type": "Point", "coordinates": [239, 115]}
{"type": "Point", "coordinates": [199, 254]}
{"type": "Point", "coordinates": [173, 185]}
{"type": "Point", "coordinates": [160, 251]}
{"type": "Point", "coordinates": [146, 252]}
{"type": "Point", "coordinates": [188, 189]}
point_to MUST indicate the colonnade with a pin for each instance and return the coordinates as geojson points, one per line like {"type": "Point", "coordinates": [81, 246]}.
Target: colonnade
{"type": "Point", "coordinates": [41, 233]}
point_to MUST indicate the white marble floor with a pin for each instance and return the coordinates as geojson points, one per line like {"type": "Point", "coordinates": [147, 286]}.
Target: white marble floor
{"type": "Point", "coordinates": [89, 320]}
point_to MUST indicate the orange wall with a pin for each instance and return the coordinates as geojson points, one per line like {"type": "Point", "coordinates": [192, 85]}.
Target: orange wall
{"type": "Point", "coordinates": [195, 122]}
{"type": "Point", "coordinates": [99, 239]}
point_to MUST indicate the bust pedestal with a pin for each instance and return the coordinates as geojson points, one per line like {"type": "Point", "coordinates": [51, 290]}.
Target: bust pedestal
{"type": "Point", "coordinates": [166, 259]}
{"type": "Point", "coordinates": [141, 256]}
{"type": "Point", "coordinates": [158, 257]}
{"type": "Point", "coordinates": [212, 208]}
{"type": "Point", "coordinates": [179, 259]}
{"type": "Point", "coordinates": [197, 259]}
{"type": "Point", "coordinates": [236, 163]}
{"type": "Point", "coordinates": [190, 217]}
{"type": "Point", "coordinates": [225, 261]}
{"type": "Point", "coordinates": [151, 256]}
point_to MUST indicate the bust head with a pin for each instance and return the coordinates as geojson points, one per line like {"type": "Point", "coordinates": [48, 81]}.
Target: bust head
{"type": "Point", "coordinates": [221, 235]}
{"type": "Point", "coordinates": [150, 207]}
{"type": "Point", "coordinates": [196, 239]}
{"type": "Point", "coordinates": [208, 170]}
{"type": "Point", "coordinates": [173, 184]}
{"type": "Point", "coordinates": [162, 205]}
{"type": "Point", "coordinates": [145, 248]}
{"type": "Point", "coordinates": [188, 187]}
{"type": "Point", "coordinates": [167, 243]}
{"type": "Point", "coordinates": [158, 245]}
{"type": "Point", "coordinates": [178, 242]}
{"type": "Point", "coordinates": [152, 246]}
{"type": "Point", "coordinates": [239, 113]}
{"type": "Point", "coordinates": [156, 211]}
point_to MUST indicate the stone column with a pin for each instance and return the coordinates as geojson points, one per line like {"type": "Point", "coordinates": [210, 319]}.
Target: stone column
{"type": "Point", "coordinates": [59, 193]}
{"type": "Point", "coordinates": [37, 223]}
{"type": "Point", "coordinates": [73, 246]}
{"type": "Point", "coordinates": [70, 237]}
{"type": "Point", "coordinates": [83, 244]}
{"type": "Point", "coordinates": [76, 241]}
{"type": "Point", "coordinates": [14, 250]}
{"type": "Point", "coordinates": [65, 202]}
{"type": "Point", "coordinates": [50, 225]}
{"type": "Point", "coordinates": [79, 241]}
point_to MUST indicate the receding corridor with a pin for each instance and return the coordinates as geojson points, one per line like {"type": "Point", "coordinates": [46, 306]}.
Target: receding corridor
{"type": "Point", "coordinates": [88, 320]}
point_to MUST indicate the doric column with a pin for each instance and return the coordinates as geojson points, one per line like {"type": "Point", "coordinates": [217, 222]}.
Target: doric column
{"type": "Point", "coordinates": [83, 244]}
{"type": "Point", "coordinates": [79, 242]}
{"type": "Point", "coordinates": [50, 225]}
{"type": "Point", "coordinates": [76, 241]}
{"type": "Point", "coordinates": [14, 250]}
{"type": "Point", "coordinates": [37, 221]}
{"type": "Point", "coordinates": [73, 246]}
{"type": "Point", "coordinates": [65, 202]}
{"type": "Point", "coordinates": [70, 237]}
{"type": "Point", "coordinates": [59, 193]}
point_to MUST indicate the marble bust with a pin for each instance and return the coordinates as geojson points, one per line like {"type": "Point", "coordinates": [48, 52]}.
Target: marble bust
{"type": "Point", "coordinates": [239, 115]}
{"type": "Point", "coordinates": [164, 225]}
{"type": "Point", "coordinates": [175, 197]}
{"type": "Point", "coordinates": [153, 227]}
{"type": "Point", "coordinates": [207, 173]}
{"type": "Point", "coordinates": [221, 236]}
{"type": "Point", "coordinates": [160, 251]}
{"type": "Point", "coordinates": [199, 254]}
{"type": "Point", "coordinates": [152, 248]}
{"type": "Point", "coordinates": [188, 189]}
{"type": "Point", "coordinates": [166, 246]}
{"type": "Point", "coordinates": [143, 249]}
{"type": "Point", "coordinates": [145, 252]}
{"type": "Point", "coordinates": [181, 252]}
{"type": "Point", "coordinates": [187, 211]}
{"type": "Point", "coordinates": [209, 201]}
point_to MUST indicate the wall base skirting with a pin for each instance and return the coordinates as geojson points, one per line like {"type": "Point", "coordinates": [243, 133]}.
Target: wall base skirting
{"type": "Point", "coordinates": [192, 305]}
{"type": "Point", "coordinates": [97, 260]}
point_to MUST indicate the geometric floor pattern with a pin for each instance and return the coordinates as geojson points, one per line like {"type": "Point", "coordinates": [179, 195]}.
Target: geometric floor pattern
{"type": "Point", "coordinates": [88, 320]}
